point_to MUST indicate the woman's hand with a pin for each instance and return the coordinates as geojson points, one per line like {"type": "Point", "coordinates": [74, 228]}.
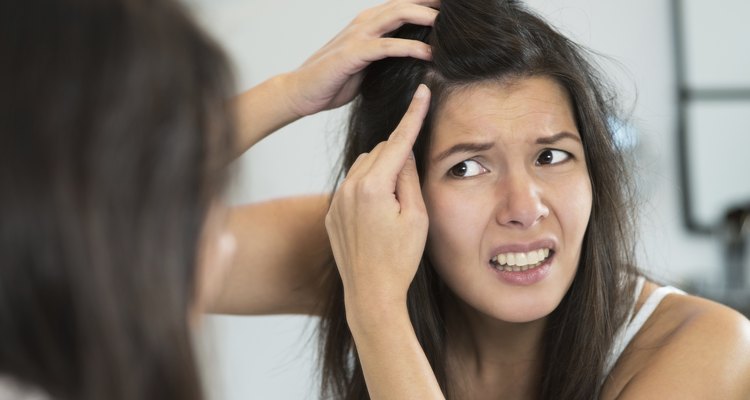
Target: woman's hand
{"type": "Point", "coordinates": [377, 223]}
{"type": "Point", "coordinates": [331, 77]}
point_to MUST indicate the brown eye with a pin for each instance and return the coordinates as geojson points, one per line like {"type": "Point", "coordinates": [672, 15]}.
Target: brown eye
{"type": "Point", "coordinates": [466, 169]}
{"type": "Point", "coordinates": [549, 157]}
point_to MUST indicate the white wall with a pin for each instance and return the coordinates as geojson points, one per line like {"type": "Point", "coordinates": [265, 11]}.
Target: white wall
{"type": "Point", "coordinates": [272, 357]}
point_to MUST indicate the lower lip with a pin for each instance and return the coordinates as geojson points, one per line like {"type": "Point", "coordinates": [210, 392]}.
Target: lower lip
{"type": "Point", "coordinates": [528, 277]}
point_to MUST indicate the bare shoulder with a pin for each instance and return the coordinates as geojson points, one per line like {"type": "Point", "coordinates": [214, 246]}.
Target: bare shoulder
{"type": "Point", "coordinates": [690, 348]}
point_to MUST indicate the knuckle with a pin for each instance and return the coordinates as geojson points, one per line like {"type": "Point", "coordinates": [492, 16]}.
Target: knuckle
{"type": "Point", "coordinates": [360, 158]}
{"type": "Point", "coordinates": [349, 48]}
{"type": "Point", "coordinates": [402, 8]}
{"type": "Point", "coordinates": [329, 221]}
{"type": "Point", "coordinates": [346, 190]}
{"type": "Point", "coordinates": [378, 148]}
{"type": "Point", "coordinates": [364, 16]}
{"type": "Point", "coordinates": [357, 162]}
{"type": "Point", "coordinates": [395, 3]}
{"type": "Point", "coordinates": [388, 44]}
{"type": "Point", "coordinates": [408, 172]}
{"type": "Point", "coordinates": [368, 187]}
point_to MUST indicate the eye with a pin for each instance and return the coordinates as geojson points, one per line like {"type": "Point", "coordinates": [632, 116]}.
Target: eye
{"type": "Point", "coordinates": [550, 156]}
{"type": "Point", "coordinates": [466, 169]}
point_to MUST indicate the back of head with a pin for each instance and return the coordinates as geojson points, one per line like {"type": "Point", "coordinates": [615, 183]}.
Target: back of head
{"type": "Point", "coordinates": [478, 41]}
{"type": "Point", "coordinates": [113, 139]}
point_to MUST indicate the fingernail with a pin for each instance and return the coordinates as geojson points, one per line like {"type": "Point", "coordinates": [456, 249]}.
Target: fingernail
{"type": "Point", "coordinates": [411, 155]}
{"type": "Point", "coordinates": [421, 91]}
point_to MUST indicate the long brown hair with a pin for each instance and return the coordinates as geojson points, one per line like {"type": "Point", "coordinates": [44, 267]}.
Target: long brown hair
{"type": "Point", "coordinates": [113, 144]}
{"type": "Point", "coordinates": [476, 41]}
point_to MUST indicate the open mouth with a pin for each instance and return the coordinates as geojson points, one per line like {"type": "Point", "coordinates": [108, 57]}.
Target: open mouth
{"type": "Point", "coordinates": [518, 262]}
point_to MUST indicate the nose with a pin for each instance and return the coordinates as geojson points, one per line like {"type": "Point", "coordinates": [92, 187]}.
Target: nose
{"type": "Point", "coordinates": [519, 201]}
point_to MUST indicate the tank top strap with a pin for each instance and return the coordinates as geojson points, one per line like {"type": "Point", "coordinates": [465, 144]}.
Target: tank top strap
{"type": "Point", "coordinates": [635, 323]}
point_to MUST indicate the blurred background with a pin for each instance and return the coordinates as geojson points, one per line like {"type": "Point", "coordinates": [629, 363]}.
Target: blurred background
{"type": "Point", "coordinates": [681, 67]}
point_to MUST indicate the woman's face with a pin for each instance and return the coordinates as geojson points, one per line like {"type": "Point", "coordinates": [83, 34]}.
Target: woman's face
{"type": "Point", "coordinates": [508, 196]}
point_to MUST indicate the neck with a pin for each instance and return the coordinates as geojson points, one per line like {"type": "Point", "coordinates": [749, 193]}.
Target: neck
{"type": "Point", "coordinates": [495, 355]}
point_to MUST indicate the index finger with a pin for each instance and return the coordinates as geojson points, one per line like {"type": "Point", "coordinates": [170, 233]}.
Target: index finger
{"type": "Point", "coordinates": [429, 3]}
{"type": "Point", "coordinates": [391, 159]}
{"type": "Point", "coordinates": [406, 13]}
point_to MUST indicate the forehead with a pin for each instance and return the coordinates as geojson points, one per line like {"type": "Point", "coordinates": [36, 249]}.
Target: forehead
{"type": "Point", "coordinates": [517, 110]}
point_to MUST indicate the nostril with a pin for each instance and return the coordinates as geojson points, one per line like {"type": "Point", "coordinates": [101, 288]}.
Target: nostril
{"type": "Point", "coordinates": [522, 220]}
{"type": "Point", "coordinates": [519, 205]}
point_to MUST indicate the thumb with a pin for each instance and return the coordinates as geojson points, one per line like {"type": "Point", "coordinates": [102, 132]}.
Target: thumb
{"type": "Point", "coordinates": [408, 191]}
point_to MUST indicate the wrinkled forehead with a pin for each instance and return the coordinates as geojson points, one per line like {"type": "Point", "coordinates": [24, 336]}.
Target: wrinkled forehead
{"type": "Point", "coordinates": [519, 107]}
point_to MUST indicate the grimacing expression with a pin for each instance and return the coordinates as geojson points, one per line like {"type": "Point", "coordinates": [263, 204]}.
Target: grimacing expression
{"type": "Point", "coordinates": [508, 196]}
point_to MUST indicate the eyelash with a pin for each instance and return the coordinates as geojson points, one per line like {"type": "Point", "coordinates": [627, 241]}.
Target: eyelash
{"type": "Point", "coordinates": [452, 173]}
{"type": "Point", "coordinates": [567, 155]}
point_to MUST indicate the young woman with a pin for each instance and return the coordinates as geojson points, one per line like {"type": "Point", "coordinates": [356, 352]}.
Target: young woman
{"type": "Point", "coordinates": [114, 143]}
{"type": "Point", "coordinates": [513, 278]}
{"type": "Point", "coordinates": [116, 132]}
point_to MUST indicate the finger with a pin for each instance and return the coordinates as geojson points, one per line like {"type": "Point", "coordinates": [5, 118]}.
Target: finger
{"type": "Point", "coordinates": [408, 190]}
{"type": "Point", "coordinates": [357, 165]}
{"type": "Point", "coordinates": [398, 14]}
{"type": "Point", "coordinates": [394, 47]}
{"type": "Point", "coordinates": [362, 165]}
{"type": "Point", "coordinates": [409, 126]}
{"type": "Point", "coordinates": [428, 3]}
{"type": "Point", "coordinates": [391, 159]}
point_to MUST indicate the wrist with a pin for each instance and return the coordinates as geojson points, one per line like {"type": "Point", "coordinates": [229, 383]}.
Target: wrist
{"type": "Point", "coordinates": [285, 85]}
{"type": "Point", "coordinates": [263, 110]}
{"type": "Point", "coordinates": [372, 314]}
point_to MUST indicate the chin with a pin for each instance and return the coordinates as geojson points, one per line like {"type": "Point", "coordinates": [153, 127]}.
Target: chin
{"type": "Point", "coordinates": [524, 311]}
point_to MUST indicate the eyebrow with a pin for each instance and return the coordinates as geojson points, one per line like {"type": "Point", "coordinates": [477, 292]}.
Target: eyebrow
{"type": "Point", "coordinates": [558, 137]}
{"type": "Point", "coordinates": [464, 148]}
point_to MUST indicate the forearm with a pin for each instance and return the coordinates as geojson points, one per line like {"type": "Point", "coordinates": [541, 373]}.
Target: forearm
{"type": "Point", "coordinates": [393, 362]}
{"type": "Point", "coordinates": [261, 110]}
{"type": "Point", "coordinates": [281, 260]}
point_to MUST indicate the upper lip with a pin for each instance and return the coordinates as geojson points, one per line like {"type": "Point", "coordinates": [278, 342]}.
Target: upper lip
{"type": "Point", "coordinates": [523, 247]}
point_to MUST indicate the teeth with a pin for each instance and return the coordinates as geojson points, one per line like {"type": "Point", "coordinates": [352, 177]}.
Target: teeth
{"type": "Point", "coordinates": [502, 259]}
{"type": "Point", "coordinates": [520, 261]}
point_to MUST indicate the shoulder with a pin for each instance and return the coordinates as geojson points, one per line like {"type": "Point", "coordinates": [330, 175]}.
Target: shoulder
{"type": "Point", "coordinates": [690, 348]}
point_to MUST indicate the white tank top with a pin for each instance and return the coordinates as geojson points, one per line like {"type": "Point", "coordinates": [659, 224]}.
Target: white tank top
{"type": "Point", "coordinates": [635, 323]}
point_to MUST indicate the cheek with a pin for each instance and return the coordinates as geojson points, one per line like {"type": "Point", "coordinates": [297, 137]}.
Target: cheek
{"type": "Point", "coordinates": [575, 202]}
{"type": "Point", "coordinates": [456, 224]}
